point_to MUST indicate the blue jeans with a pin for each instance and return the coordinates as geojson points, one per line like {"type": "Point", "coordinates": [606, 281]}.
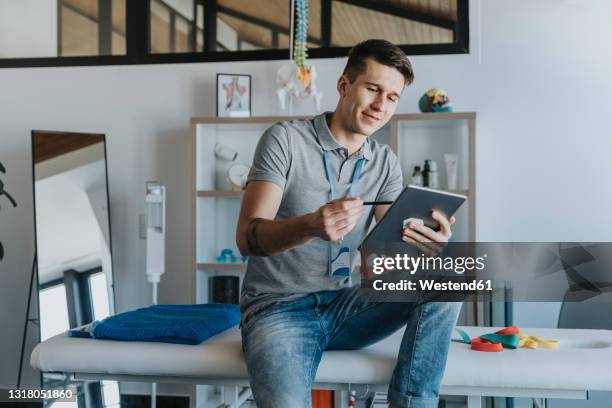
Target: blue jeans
{"type": "Point", "coordinates": [284, 342]}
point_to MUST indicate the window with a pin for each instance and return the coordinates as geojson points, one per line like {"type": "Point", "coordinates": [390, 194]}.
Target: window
{"type": "Point", "coordinates": [17, 39]}
{"type": "Point", "coordinates": [91, 27]}
{"type": "Point", "coordinates": [105, 32]}
{"type": "Point", "coordinates": [64, 404]}
{"type": "Point", "coordinates": [254, 25]}
{"type": "Point", "coordinates": [110, 394]}
{"type": "Point", "coordinates": [53, 311]}
{"type": "Point", "coordinates": [60, 307]}
{"type": "Point", "coordinates": [173, 27]}
{"type": "Point", "coordinates": [99, 296]}
{"type": "Point", "coordinates": [238, 25]}
{"type": "Point", "coordinates": [60, 28]}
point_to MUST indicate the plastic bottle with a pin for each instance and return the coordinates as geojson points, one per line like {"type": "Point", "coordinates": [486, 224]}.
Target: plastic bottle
{"type": "Point", "coordinates": [426, 174]}
{"type": "Point", "coordinates": [417, 176]}
{"type": "Point", "coordinates": [352, 401]}
{"type": "Point", "coordinates": [433, 175]}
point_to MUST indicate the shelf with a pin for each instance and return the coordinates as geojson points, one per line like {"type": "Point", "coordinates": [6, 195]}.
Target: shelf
{"type": "Point", "coordinates": [238, 194]}
{"type": "Point", "coordinates": [462, 192]}
{"type": "Point", "coordinates": [215, 120]}
{"type": "Point", "coordinates": [456, 191]}
{"type": "Point", "coordinates": [273, 119]}
{"type": "Point", "coordinates": [212, 266]}
{"type": "Point", "coordinates": [220, 193]}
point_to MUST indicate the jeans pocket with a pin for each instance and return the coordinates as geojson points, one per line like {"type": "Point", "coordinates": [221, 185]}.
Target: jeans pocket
{"type": "Point", "coordinates": [255, 314]}
{"type": "Point", "coordinates": [253, 317]}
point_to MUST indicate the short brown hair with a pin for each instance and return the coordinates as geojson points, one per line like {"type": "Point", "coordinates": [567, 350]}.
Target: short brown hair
{"type": "Point", "coordinates": [383, 52]}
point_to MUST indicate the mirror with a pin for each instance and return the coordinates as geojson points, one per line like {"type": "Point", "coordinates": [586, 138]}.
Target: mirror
{"type": "Point", "coordinates": [73, 240]}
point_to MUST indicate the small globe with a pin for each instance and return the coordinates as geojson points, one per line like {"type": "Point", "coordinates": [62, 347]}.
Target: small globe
{"type": "Point", "coordinates": [435, 100]}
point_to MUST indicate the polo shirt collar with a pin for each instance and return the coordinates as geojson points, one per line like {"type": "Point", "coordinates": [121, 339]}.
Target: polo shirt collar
{"type": "Point", "coordinates": [329, 142]}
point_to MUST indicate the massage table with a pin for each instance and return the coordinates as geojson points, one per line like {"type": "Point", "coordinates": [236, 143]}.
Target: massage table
{"type": "Point", "coordinates": [582, 363]}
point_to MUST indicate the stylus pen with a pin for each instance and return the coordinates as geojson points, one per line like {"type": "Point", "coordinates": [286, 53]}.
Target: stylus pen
{"type": "Point", "coordinates": [377, 202]}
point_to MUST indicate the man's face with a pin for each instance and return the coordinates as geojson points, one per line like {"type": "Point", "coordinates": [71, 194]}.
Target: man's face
{"type": "Point", "coordinates": [370, 101]}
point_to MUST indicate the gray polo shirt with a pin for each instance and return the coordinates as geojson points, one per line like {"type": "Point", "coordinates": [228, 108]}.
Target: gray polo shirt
{"type": "Point", "coordinates": [290, 155]}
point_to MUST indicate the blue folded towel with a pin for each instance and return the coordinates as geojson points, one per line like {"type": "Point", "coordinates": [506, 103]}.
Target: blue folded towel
{"type": "Point", "coordinates": [182, 324]}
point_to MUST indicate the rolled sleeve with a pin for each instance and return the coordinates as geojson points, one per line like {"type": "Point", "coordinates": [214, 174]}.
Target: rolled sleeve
{"type": "Point", "coordinates": [394, 181]}
{"type": "Point", "coordinates": [272, 157]}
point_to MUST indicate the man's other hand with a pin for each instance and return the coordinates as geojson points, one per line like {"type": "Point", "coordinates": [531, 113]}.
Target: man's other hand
{"type": "Point", "coordinates": [430, 242]}
{"type": "Point", "coordinates": [337, 218]}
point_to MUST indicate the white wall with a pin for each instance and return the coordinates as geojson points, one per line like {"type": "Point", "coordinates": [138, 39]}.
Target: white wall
{"type": "Point", "coordinates": [537, 76]}
{"type": "Point", "coordinates": [28, 28]}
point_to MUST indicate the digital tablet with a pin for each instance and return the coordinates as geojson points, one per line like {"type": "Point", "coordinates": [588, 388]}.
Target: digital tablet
{"type": "Point", "coordinates": [414, 203]}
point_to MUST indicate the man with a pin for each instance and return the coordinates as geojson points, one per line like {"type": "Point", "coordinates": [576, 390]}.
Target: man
{"type": "Point", "coordinates": [304, 201]}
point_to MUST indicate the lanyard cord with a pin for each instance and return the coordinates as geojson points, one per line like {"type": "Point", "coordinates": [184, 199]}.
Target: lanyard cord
{"type": "Point", "coordinates": [332, 179]}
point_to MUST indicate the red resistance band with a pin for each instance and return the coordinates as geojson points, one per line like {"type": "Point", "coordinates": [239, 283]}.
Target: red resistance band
{"type": "Point", "coordinates": [485, 345]}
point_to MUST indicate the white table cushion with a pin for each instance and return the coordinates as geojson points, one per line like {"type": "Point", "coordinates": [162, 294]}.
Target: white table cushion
{"type": "Point", "coordinates": [583, 361]}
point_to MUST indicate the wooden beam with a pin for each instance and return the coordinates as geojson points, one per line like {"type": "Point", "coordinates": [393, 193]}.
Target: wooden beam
{"type": "Point", "coordinates": [48, 145]}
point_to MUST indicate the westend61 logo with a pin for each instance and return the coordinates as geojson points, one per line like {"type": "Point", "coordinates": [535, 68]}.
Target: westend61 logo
{"type": "Point", "coordinates": [10, 198]}
{"type": "Point", "coordinates": [412, 264]}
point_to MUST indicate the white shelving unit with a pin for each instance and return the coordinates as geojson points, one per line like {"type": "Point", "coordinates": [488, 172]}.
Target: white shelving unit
{"type": "Point", "coordinates": [215, 207]}
{"type": "Point", "coordinates": [416, 137]}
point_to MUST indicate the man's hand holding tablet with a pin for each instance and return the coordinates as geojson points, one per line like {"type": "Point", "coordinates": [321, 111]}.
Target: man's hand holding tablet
{"type": "Point", "coordinates": [430, 242]}
{"type": "Point", "coordinates": [419, 216]}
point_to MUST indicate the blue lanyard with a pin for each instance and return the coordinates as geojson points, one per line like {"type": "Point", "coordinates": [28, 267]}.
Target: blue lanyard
{"type": "Point", "coordinates": [332, 178]}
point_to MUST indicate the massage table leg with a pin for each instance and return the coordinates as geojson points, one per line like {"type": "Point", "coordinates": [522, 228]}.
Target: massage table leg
{"type": "Point", "coordinates": [474, 401]}
{"type": "Point", "coordinates": [234, 397]}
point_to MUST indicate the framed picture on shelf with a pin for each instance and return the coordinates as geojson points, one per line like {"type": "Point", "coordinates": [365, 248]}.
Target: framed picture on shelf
{"type": "Point", "coordinates": [233, 95]}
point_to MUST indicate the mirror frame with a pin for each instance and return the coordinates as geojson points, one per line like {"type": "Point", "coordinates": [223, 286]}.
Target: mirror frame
{"type": "Point", "coordinates": [34, 133]}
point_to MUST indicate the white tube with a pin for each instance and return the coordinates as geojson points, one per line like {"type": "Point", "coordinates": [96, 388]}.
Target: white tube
{"type": "Point", "coordinates": [450, 162]}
